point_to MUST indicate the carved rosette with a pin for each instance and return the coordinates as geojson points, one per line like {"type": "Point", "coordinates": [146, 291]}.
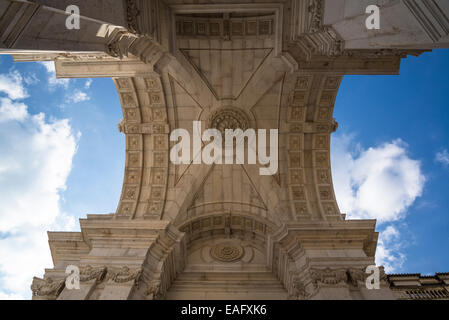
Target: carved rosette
{"type": "Point", "coordinates": [227, 252]}
{"type": "Point", "coordinates": [229, 118]}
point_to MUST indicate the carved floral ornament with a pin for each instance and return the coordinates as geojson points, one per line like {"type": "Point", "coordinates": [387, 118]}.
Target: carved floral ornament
{"type": "Point", "coordinates": [229, 118]}
{"type": "Point", "coordinates": [227, 252]}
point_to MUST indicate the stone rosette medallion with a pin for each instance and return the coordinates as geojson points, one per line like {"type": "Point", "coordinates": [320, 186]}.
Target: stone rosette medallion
{"type": "Point", "coordinates": [229, 118]}
{"type": "Point", "coordinates": [227, 252]}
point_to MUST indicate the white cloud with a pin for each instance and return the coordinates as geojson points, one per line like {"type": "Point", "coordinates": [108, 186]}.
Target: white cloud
{"type": "Point", "coordinates": [88, 83]}
{"type": "Point", "coordinates": [49, 65]}
{"type": "Point", "coordinates": [380, 183]}
{"type": "Point", "coordinates": [10, 110]}
{"type": "Point", "coordinates": [77, 96]}
{"type": "Point", "coordinates": [442, 157]}
{"type": "Point", "coordinates": [12, 85]}
{"type": "Point", "coordinates": [388, 253]}
{"type": "Point", "coordinates": [36, 159]}
{"type": "Point", "coordinates": [52, 80]}
{"type": "Point", "coordinates": [376, 183]}
{"type": "Point", "coordinates": [31, 79]}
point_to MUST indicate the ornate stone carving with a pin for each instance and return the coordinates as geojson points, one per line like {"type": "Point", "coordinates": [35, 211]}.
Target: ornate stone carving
{"type": "Point", "coordinates": [356, 276]}
{"type": "Point", "coordinates": [227, 252]}
{"type": "Point", "coordinates": [89, 273]}
{"type": "Point", "coordinates": [121, 126]}
{"type": "Point", "coordinates": [154, 290]}
{"type": "Point", "coordinates": [365, 53]}
{"type": "Point", "coordinates": [47, 287]}
{"type": "Point", "coordinates": [299, 290]}
{"type": "Point", "coordinates": [328, 276]}
{"type": "Point", "coordinates": [229, 118]}
{"type": "Point", "coordinates": [122, 43]}
{"type": "Point", "coordinates": [131, 14]}
{"type": "Point", "coordinates": [119, 46]}
{"type": "Point", "coordinates": [316, 9]}
{"type": "Point", "coordinates": [122, 275]}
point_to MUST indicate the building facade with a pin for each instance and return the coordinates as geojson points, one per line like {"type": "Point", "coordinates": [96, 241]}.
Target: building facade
{"type": "Point", "coordinates": [220, 231]}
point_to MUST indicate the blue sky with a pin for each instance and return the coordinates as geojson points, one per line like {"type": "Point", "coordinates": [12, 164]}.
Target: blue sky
{"type": "Point", "coordinates": [413, 107]}
{"type": "Point", "coordinates": [62, 157]}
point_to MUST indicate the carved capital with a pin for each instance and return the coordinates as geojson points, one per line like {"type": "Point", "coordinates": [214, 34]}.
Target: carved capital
{"type": "Point", "coordinates": [122, 43]}
{"type": "Point", "coordinates": [356, 276]}
{"type": "Point", "coordinates": [328, 277]}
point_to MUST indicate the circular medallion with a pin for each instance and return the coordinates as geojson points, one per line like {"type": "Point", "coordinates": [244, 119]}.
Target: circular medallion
{"type": "Point", "coordinates": [227, 252]}
{"type": "Point", "coordinates": [229, 118]}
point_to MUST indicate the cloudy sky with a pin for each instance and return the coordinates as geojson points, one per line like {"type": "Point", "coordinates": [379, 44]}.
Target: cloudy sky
{"type": "Point", "coordinates": [61, 157]}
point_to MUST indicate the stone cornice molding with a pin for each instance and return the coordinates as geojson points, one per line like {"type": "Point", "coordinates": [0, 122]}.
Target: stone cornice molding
{"type": "Point", "coordinates": [136, 234]}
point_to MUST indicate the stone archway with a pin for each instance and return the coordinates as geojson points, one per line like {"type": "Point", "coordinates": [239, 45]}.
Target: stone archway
{"type": "Point", "coordinates": [174, 62]}
{"type": "Point", "coordinates": [226, 259]}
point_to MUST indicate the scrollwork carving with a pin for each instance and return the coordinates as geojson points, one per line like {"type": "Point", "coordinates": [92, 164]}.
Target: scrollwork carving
{"type": "Point", "coordinates": [122, 275]}
{"type": "Point", "coordinates": [47, 287]}
{"type": "Point", "coordinates": [89, 273]}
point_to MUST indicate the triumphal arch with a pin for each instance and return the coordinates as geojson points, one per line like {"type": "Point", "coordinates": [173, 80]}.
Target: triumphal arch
{"type": "Point", "coordinates": [221, 231]}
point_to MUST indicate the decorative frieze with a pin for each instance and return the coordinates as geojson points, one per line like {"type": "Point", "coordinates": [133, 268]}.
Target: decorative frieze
{"type": "Point", "coordinates": [123, 274]}
{"type": "Point", "coordinates": [47, 288]}
{"type": "Point", "coordinates": [328, 277]}
{"type": "Point", "coordinates": [251, 27]}
{"type": "Point", "coordinates": [89, 273]}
